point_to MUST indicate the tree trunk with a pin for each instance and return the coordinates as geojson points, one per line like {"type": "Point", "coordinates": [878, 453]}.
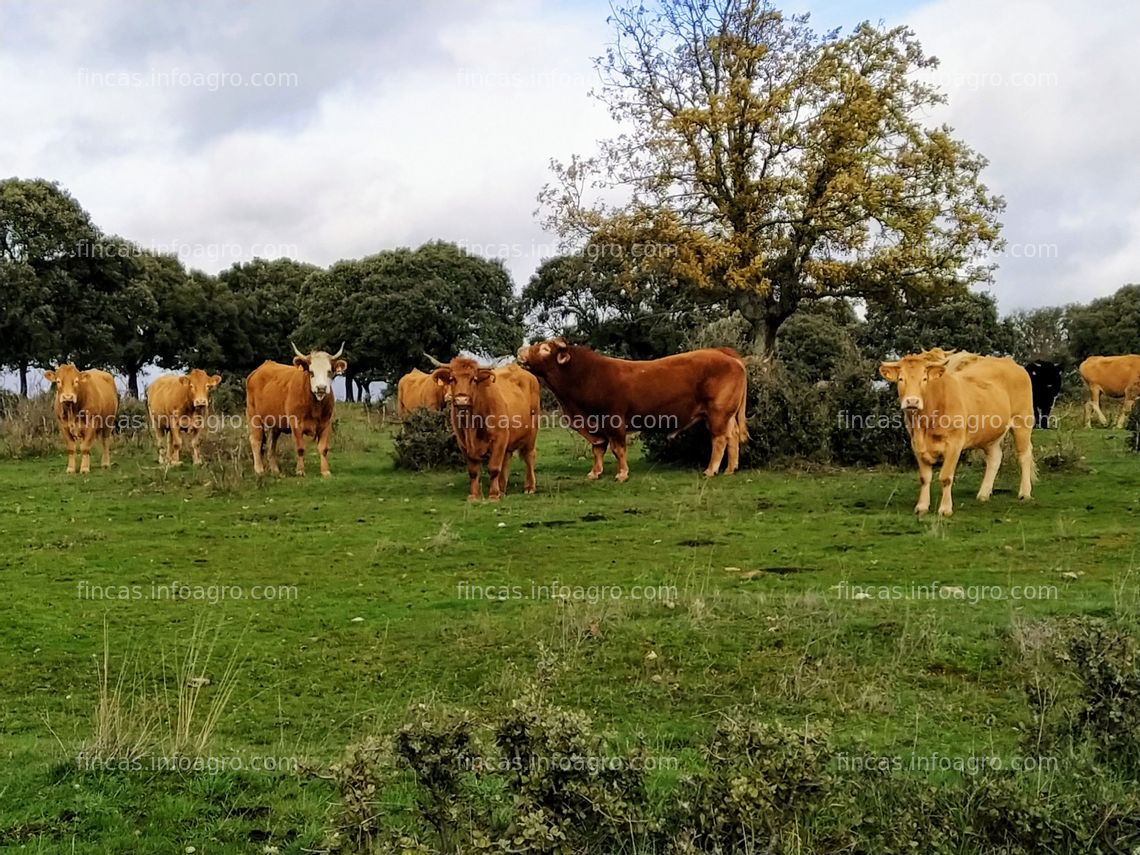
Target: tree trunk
{"type": "Point", "coordinates": [348, 390]}
{"type": "Point", "coordinates": [23, 379]}
{"type": "Point", "coordinates": [133, 383]}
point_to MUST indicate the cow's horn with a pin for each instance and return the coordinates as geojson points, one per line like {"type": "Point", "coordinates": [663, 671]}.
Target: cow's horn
{"type": "Point", "coordinates": [339, 352]}
{"type": "Point", "coordinates": [433, 360]}
{"type": "Point", "coordinates": [297, 352]}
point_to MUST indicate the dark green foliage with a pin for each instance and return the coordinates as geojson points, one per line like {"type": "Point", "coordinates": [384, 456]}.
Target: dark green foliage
{"type": "Point", "coordinates": [426, 441]}
{"type": "Point", "coordinates": [848, 421]}
{"type": "Point", "coordinates": [966, 322]}
{"type": "Point", "coordinates": [1133, 428]}
{"type": "Point", "coordinates": [1106, 662]}
{"type": "Point", "coordinates": [815, 346]}
{"type": "Point", "coordinates": [1106, 327]}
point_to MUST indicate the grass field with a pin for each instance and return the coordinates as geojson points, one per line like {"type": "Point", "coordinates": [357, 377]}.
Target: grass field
{"type": "Point", "coordinates": [763, 591]}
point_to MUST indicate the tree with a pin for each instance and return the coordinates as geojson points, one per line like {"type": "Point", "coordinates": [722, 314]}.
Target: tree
{"type": "Point", "coordinates": [1107, 326]}
{"type": "Point", "coordinates": [267, 295]}
{"type": "Point", "coordinates": [42, 227]}
{"type": "Point", "coordinates": [1041, 334]}
{"type": "Point", "coordinates": [619, 299]}
{"type": "Point", "coordinates": [969, 322]}
{"type": "Point", "coordinates": [783, 164]}
{"type": "Point", "coordinates": [391, 307]}
{"type": "Point", "coordinates": [818, 344]}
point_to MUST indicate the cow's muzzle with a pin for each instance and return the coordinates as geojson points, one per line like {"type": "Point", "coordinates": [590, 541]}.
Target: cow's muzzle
{"type": "Point", "coordinates": [68, 399]}
{"type": "Point", "coordinates": [463, 402]}
{"type": "Point", "coordinates": [320, 392]}
{"type": "Point", "coordinates": [911, 402]}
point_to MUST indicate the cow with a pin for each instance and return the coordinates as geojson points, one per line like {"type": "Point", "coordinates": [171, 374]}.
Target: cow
{"type": "Point", "coordinates": [296, 399]}
{"type": "Point", "coordinates": [1115, 376]}
{"type": "Point", "coordinates": [179, 404]}
{"type": "Point", "coordinates": [494, 413]}
{"type": "Point", "coordinates": [604, 398]}
{"type": "Point", "coordinates": [1046, 379]}
{"type": "Point", "coordinates": [418, 391]}
{"type": "Point", "coordinates": [86, 404]}
{"type": "Point", "coordinates": [974, 405]}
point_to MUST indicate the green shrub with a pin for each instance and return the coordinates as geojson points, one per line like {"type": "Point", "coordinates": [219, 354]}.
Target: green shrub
{"type": "Point", "coordinates": [1132, 426]}
{"type": "Point", "coordinates": [426, 441]}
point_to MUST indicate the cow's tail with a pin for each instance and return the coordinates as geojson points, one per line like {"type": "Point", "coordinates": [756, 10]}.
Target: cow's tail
{"type": "Point", "coordinates": [741, 415]}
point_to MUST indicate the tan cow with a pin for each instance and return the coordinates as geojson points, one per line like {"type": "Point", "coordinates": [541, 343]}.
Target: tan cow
{"type": "Point", "coordinates": [1115, 376]}
{"type": "Point", "coordinates": [975, 406]}
{"type": "Point", "coordinates": [494, 413]}
{"type": "Point", "coordinates": [85, 407]}
{"type": "Point", "coordinates": [296, 399]}
{"type": "Point", "coordinates": [179, 404]}
{"type": "Point", "coordinates": [418, 391]}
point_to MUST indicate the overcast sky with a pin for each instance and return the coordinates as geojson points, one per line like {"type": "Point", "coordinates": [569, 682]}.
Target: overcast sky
{"type": "Point", "coordinates": [224, 130]}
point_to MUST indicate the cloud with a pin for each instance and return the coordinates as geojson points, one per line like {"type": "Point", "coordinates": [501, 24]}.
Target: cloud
{"type": "Point", "coordinates": [1042, 90]}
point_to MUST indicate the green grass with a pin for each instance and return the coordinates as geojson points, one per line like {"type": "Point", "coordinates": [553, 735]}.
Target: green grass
{"type": "Point", "coordinates": [373, 561]}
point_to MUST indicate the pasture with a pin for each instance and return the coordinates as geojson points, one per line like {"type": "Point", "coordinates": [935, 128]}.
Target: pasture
{"type": "Point", "coordinates": [681, 598]}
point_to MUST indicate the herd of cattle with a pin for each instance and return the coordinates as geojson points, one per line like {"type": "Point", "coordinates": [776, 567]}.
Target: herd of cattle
{"type": "Point", "coordinates": [951, 402]}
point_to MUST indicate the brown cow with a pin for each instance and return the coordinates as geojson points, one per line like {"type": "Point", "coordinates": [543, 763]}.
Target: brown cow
{"type": "Point", "coordinates": [296, 399]}
{"type": "Point", "coordinates": [177, 405]}
{"type": "Point", "coordinates": [493, 414]}
{"type": "Point", "coordinates": [605, 398]}
{"type": "Point", "coordinates": [972, 402]}
{"type": "Point", "coordinates": [85, 407]}
{"type": "Point", "coordinates": [1115, 376]}
{"type": "Point", "coordinates": [418, 391]}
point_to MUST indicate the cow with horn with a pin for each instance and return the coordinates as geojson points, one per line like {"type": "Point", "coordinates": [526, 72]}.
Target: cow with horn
{"type": "Point", "coordinates": [296, 399]}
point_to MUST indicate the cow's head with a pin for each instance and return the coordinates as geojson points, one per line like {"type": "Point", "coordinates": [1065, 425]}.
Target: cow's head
{"type": "Point", "coordinates": [912, 374]}
{"type": "Point", "coordinates": [462, 379]}
{"type": "Point", "coordinates": [198, 384]}
{"type": "Point", "coordinates": [66, 382]}
{"type": "Point", "coordinates": [321, 368]}
{"type": "Point", "coordinates": [545, 356]}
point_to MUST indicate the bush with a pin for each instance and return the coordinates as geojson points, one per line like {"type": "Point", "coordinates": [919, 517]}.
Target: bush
{"type": "Point", "coordinates": [846, 421]}
{"type": "Point", "coordinates": [1132, 425]}
{"type": "Point", "coordinates": [27, 427]}
{"type": "Point", "coordinates": [426, 441]}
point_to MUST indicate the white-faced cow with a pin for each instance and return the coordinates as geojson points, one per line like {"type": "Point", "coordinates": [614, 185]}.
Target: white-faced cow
{"type": "Point", "coordinates": [296, 399]}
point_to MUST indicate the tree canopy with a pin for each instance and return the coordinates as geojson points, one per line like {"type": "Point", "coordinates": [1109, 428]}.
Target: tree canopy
{"type": "Point", "coordinates": [782, 164]}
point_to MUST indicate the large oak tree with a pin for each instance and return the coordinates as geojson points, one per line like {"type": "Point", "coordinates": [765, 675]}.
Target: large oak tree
{"type": "Point", "coordinates": [784, 164]}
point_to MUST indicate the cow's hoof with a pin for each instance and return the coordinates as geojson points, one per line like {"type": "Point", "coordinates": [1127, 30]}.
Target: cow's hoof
{"type": "Point", "coordinates": [493, 498]}
{"type": "Point", "coordinates": [593, 476]}
{"type": "Point", "coordinates": [530, 491]}
{"type": "Point", "coordinates": [70, 471]}
{"type": "Point", "coordinates": [983, 498]}
{"type": "Point", "coordinates": [949, 512]}
{"type": "Point", "coordinates": [920, 511]}
{"type": "Point", "coordinates": [474, 498]}
{"type": "Point", "coordinates": [621, 477]}
{"type": "Point", "coordinates": [1026, 498]}
{"type": "Point", "coordinates": [709, 473]}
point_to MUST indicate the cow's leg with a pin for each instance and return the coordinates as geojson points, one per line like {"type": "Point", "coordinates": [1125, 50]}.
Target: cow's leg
{"type": "Point", "coordinates": [271, 450]}
{"type": "Point", "coordinates": [925, 476]}
{"type": "Point", "coordinates": [505, 473]}
{"type": "Point", "coordinates": [1023, 442]}
{"type": "Point", "coordinates": [299, 444]}
{"type": "Point", "coordinates": [176, 446]}
{"type": "Point", "coordinates": [529, 454]}
{"type": "Point", "coordinates": [323, 448]}
{"type": "Point", "coordinates": [599, 448]}
{"type": "Point", "coordinates": [474, 467]}
{"type": "Point", "coordinates": [1125, 409]}
{"type": "Point", "coordinates": [256, 441]}
{"type": "Point", "coordinates": [159, 439]}
{"type": "Point", "coordinates": [733, 449]}
{"type": "Point", "coordinates": [720, 428]}
{"type": "Point", "coordinates": [106, 461]}
{"type": "Point", "coordinates": [87, 440]}
{"type": "Point", "coordinates": [69, 443]}
{"type": "Point", "coordinates": [618, 445]}
{"type": "Point", "coordinates": [1092, 405]}
{"type": "Point", "coordinates": [946, 477]}
{"type": "Point", "coordinates": [196, 446]}
{"type": "Point", "coordinates": [993, 463]}
{"type": "Point", "coordinates": [496, 466]}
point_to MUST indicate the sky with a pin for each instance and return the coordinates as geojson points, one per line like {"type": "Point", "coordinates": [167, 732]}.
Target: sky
{"type": "Point", "coordinates": [227, 130]}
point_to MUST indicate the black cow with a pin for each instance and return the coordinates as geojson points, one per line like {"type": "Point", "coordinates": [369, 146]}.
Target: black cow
{"type": "Point", "coordinates": [1046, 379]}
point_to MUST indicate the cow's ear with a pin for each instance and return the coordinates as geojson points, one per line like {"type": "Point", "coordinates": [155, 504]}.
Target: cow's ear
{"type": "Point", "coordinates": [214, 381]}
{"type": "Point", "coordinates": [936, 370]}
{"type": "Point", "coordinates": [890, 371]}
{"type": "Point", "coordinates": [49, 376]}
{"type": "Point", "coordinates": [340, 366]}
{"type": "Point", "coordinates": [442, 376]}
{"type": "Point", "coordinates": [484, 374]}
{"type": "Point", "coordinates": [184, 380]}
{"type": "Point", "coordinates": [303, 361]}
{"type": "Point", "coordinates": [563, 357]}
